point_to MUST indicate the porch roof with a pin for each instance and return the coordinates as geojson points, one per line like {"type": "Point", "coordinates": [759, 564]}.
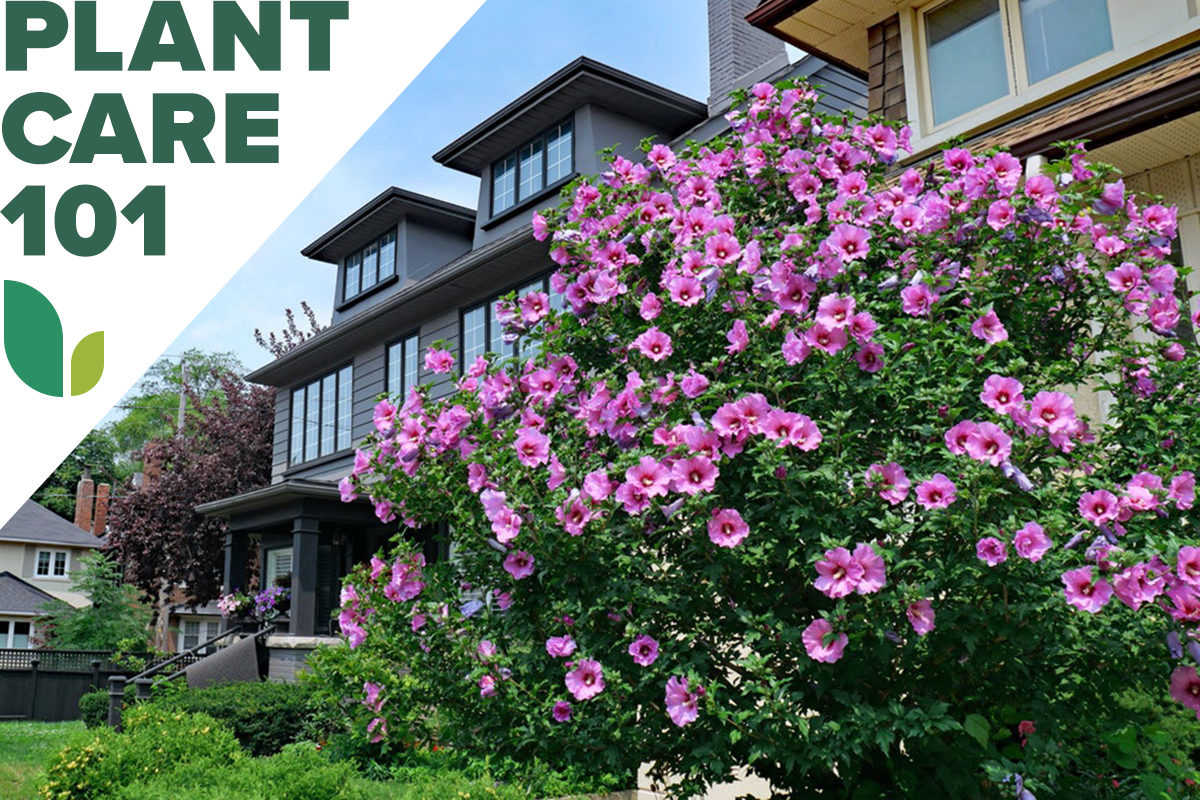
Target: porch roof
{"type": "Point", "coordinates": [280, 504]}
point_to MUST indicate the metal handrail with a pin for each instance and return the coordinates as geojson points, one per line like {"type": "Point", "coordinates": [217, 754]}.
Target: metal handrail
{"type": "Point", "coordinates": [267, 631]}
{"type": "Point", "coordinates": [143, 680]}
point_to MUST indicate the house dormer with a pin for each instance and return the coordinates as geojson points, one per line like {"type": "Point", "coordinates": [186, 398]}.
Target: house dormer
{"type": "Point", "coordinates": [963, 68]}
{"type": "Point", "coordinates": [392, 242]}
{"type": "Point", "coordinates": [527, 151]}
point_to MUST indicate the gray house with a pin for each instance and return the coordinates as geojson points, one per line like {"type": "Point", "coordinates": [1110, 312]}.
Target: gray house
{"type": "Point", "coordinates": [412, 270]}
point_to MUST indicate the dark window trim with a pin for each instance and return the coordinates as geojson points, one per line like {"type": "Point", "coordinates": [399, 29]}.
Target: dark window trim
{"type": "Point", "coordinates": [303, 385]}
{"type": "Point", "coordinates": [347, 298]}
{"type": "Point", "coordinates": [525, 205]}
{"type": "Point", "coordinates": [496, 216]}
{"type": "Point", "coordinates": [387, 361]}
{"type": "Point", "coordinates": [486, 304]}
{"type": "Point", "coordinates": [379, 285]}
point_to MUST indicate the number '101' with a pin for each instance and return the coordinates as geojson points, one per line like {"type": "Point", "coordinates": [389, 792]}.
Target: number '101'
{"type": "Point", "coordinates": [150, 206]}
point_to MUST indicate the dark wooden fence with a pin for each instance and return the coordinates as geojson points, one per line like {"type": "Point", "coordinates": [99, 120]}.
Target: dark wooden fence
{"type": "Point", "coordinates": [45, 685]}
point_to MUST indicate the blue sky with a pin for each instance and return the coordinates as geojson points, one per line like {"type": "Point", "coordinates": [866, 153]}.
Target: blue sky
{"type": "Point", "coordinates": [506, 48]}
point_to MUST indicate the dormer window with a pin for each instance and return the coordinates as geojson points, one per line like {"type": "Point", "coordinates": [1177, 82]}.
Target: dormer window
{"type": "Point", "coordinates": [539, 163]}
{"type": "Point", "coordinates": [978, 51]}
{"type": "Point", "coordinates": [370, 266]}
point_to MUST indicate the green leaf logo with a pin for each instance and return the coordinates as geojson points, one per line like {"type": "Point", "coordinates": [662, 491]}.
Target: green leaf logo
{"type": "Point", "coordinates": [33, 342]}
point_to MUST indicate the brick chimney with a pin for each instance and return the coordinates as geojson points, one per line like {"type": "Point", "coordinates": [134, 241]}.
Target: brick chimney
{"type": "Point", "coordinates": [83, 501]}
{"type": "Point", "coordinates": [101, 518]}
{"type": "Point", "coordinates": [739, 55]}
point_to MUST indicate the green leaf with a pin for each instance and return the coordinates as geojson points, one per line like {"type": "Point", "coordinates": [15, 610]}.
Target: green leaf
{"type": "Point", "coordinates": [977, 728]}
{"type": "Point", "coordinates": [33, 338]}
{"type": "Point", "coordinates": [87, 363]}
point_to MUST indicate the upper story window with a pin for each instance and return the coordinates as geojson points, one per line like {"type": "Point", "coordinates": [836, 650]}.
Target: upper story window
{"type": "Point", "coordinates": [978, 51]}
{"type": "Point", "coordinates": [541, 162]}
{"type": "Point", "coordinates": [51, 564]}
{"type": "Point", "coordinates": [403, 365]}
{"type": "Point", "coordinates": [321, 416]}
{"type": "Point", "coordinates": [482, 332]}
{"type": "Point", "coordinates": [370, 266]}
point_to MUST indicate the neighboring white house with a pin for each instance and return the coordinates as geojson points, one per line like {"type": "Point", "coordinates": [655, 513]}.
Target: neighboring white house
{"type": "Point", "coordinates": [43, 550]}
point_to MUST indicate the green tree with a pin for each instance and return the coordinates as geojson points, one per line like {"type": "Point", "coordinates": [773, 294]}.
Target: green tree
{"type": "Point", "coordinates": [99, 452]}
{"type": "Point", "coordinates": [115, 617]}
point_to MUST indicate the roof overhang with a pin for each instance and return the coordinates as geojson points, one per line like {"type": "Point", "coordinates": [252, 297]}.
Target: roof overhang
{"type": "Point", "coordinates": [52, 543]}
{"type": "Point", "coordinates": [268, 497]}
{"type": "Point", "coordinates": [835, 30]}
{"type": "Point", "coordinates": [278, 505]}
{"type": "Point", "coordinates": [492, 265]}
{"type": "Point", "coordinates": [382, 213]}
{"type": "Point", "coordinates": [581, 82]}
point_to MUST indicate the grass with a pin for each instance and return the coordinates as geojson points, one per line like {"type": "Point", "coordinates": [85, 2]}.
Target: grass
{"type": "Point", "coordinates": [24, 749]}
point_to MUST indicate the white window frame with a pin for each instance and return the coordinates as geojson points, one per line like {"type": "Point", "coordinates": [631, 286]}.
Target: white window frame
{"type": "Point", "coordinates": [1021, 96]}
{"type": "Point", "coordinates": [206, 629]}
{"type": "Point", "coordinates": [50, 564]}
{"type": "Point", "coordinates": [271, 565]}
{"type": "Point", "coordinates": [9, 632]}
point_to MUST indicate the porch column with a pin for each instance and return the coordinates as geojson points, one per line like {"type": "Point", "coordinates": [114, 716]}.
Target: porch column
{"type": "Point", "coordinates": [305, 541]}
{"type": "Point", "coordinates": [237, 545]}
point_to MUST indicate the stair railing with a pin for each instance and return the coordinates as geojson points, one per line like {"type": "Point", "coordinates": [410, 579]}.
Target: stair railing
{"type": "Point", "coordinates": [145, 682]}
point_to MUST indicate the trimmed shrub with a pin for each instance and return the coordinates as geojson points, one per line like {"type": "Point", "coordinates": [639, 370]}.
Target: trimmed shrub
{"type": "Point", "coordinates": [93, 708]}
{"type": "Point", "coordinates": [263, 716]}
{"type": "Point", "coordinates": [298, 772]}
{"type": "Point", "coordinates": [99, 762]}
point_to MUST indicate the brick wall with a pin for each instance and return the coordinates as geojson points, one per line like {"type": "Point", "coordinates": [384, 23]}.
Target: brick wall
{"type": "Point", "coordinates": [735, 48]}
{"type": "Point", "coordinates": [885, 74]}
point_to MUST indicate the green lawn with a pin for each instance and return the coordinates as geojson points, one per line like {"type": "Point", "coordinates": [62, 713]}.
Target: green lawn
{"type": "Point", "coordinates": [24, 748]}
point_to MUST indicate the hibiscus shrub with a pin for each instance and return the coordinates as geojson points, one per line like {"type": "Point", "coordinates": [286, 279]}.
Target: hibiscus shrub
{"type": "Point", "coordinates": [801, 478]}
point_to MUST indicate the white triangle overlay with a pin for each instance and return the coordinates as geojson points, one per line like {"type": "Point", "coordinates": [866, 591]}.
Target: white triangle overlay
{"type": "Point", "coordinates": [217, 214]}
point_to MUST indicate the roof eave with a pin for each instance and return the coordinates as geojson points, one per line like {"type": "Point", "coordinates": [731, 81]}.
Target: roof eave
{"type": "Point", "coordinates": [453, 155]}
{"type": "Point", "coordinates": [267, 373]}
{"type": "Point", "coordinates": [431, 204]}
{"type": "Point", "coordinates": [770, 13]}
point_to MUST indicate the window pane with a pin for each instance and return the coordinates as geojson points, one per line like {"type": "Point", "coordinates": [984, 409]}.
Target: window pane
{"type": "Point", "coordinates": [297, 448]}
{"type": "Point", "coordinates": [21, 631]}
{"type": "Point", "coordinates": [279, 565]}
{"type": "Point", "coordinates": [312, 421]}
{"type": "Point", "coordinates": [504, 176]}
{"type": "Point", "coordinates": [1049, 48]}
{"type": "Point", "coordinates": [4, 633]}
{"type": "Point", "coordinates": [191, 635]}
{"type": "Point", "coordinates": [967, 68]}
{"type": "Point", "coordinates": [345, 406]}
{"type": "Point", "coordinates": [395, 367]}
{"type": "Point", "coordinates": [531, 169]}
{"type": "Point", "coordinates": [473, 335]}
{"type": "Point", "coordinates": [370, 265]}
{"type": "Point", "coordinates": [387, 255]}
{"type": "Point", "coordinates": [328, 414]}
{"type": "Point", "coordinates": [558, 153]}
{"type": "Point", "coordinates": [43, 563]}
{"type": "Point", "coordinates": [496, 332]}
{"type": "Point", "coordinates": [412, 366]}
{"type": "Point", "coordinates": [60, 564]}
{"type": "Point", "coordinates": [353, 264]}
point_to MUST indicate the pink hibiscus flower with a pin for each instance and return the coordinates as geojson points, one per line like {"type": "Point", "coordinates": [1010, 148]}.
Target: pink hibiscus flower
{"type": "Point", "coordinates": [683, 705]}
{"type": "Point", "coordinates": [1085, 594]}
{"type": "Point", "coordinates": [726, 528]}
{"type": "Point", "coordinates": [991, 550]}
{"type": "Point", "coordinates": [586, 680]}
{"type": "Point", "coordinates": [937, 492]}
{"type": "Point", "coordinates": [921, 616]}
{"type": "Point", "coordinates": [815, 637]}
{"type": "Point", "coordinates": [1031, 542]}
{"type": "Point", "coordinates": [838, 573]}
